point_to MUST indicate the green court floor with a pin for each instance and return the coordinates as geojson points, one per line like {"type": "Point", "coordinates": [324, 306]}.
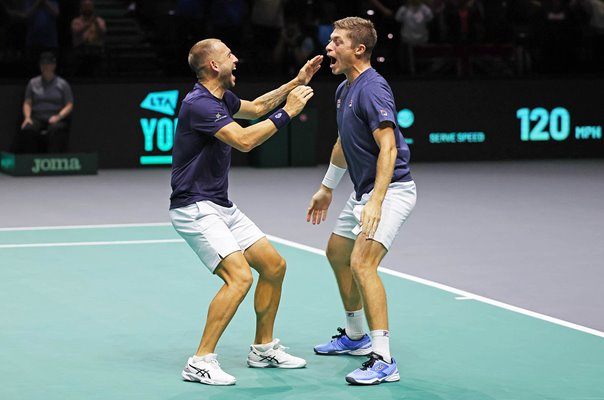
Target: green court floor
{"type": "Point", "coordinates": [113, 313]}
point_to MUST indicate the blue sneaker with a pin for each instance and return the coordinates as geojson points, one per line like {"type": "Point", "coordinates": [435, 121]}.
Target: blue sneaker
{"type": "Point", "coordinates": [374, 371]}
{"type": "Point", "coordinates": [342, 344]}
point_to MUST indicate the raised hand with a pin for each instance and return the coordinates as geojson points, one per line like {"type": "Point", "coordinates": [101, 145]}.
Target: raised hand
{"type": "Point", "coordinates": [309, 69]}
{"type": "Point", "coordinates": [297, 99]}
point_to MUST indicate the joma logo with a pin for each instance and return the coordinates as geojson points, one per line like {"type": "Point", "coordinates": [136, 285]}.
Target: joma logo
{"type": "Point", "coordinates": [56, 164]}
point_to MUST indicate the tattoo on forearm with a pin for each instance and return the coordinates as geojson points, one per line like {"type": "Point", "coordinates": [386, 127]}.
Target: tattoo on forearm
{"type": "Point", "coordinates": [272, 99]}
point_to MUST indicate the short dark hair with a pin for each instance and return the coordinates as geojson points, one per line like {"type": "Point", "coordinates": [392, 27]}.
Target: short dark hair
{"type": "Point", "coordinates": [199, 54]}
{"type": "Point", "coordinates": [48, 58]}
{"type": "Point", "coordinates": [360, 31]}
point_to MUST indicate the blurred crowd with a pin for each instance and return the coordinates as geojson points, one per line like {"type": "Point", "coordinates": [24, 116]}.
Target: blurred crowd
{"type": "Point", "coordinates": [456, 38]}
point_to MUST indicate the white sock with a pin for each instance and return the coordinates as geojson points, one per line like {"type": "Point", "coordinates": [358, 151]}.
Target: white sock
{"type": "Point", "coordinates": [355, 321]}
{"type": "Point", "coordinates": [203, 358]}
{"type": "Point", "coordinates": [380, 342]}
{"type": "Point", "coordinates": [264, 346]}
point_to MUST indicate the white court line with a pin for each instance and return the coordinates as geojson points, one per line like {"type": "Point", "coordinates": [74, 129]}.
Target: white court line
{"type": "Point", "coordinates": [314, 250]}
{"type": "Point", "coordinates": [462, 293]}
{"type": "Point", "coordinates": [48, 228]}
{"type": "Point", "coordinates": [76, 244]}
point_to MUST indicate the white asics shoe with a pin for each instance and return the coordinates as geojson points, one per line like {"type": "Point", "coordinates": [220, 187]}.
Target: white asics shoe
{"type": "Point", "coordinates": [207, 370]}
{"type": "Point", "coordinates": [274, 357]}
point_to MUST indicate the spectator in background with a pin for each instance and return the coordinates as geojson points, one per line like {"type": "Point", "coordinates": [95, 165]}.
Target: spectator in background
{"type": "Point", "coordinates": [383, 17]}
{"type": "Point", "coordinates": [465, 25]}
{"type": "Point", "coordinates": [88, 37]}
{"type": "Point", "coordinates": [190, 14]}
{"type": "Point", "coordinates": [558, 36]}
{"type": "Point", "coordinates": [190, 26]}
{"type": "Point", "coordinates": [414, 17]}
{"type": "Point", "coordinates": [267, 23]}
{"type": "Point", "coordinates": [595, 33]}
{"type": "Point", "coordinates": [226, 18]}
{"type": "Point", "coordinates": [47, 106]}
{"type": "Point", "coordinates": [295, 46]}
{"type": "Point", "coordinates": [11, 32]}
{"type": "Point", "coordinates": [465, 20]}
{"type": "Point", "coordinates": [41, 21]}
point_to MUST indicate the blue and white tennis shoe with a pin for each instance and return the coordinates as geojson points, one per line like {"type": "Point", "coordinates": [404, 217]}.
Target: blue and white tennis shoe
{"type": "Point", "coordinates": [342, 344]}
{"type": "Point", "coordinates": [374, 371]}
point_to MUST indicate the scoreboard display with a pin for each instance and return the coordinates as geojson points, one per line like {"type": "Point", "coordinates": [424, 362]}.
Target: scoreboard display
{"type": "Point", "coordinates": [481, 120]}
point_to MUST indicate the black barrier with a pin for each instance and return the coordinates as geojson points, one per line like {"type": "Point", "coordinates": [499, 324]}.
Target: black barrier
{"type": "Point", "coordinates": [292, 146]}
{"type": "Point", "coordinates": [48, 164]}
{"type": "Point", "coordinates": [132, 125]}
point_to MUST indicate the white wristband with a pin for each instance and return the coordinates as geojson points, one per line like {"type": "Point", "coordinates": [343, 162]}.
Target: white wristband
{"type": "Point", "coordinates": [333, 176]}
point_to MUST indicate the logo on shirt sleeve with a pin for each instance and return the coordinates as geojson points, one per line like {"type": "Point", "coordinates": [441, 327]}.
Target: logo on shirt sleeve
{"type": "Point", "coordinates": [219, 117]}
{"type": "Point", "coordinates": [338, 103]}
{"type": "Point", "coordinates": [383, 112]}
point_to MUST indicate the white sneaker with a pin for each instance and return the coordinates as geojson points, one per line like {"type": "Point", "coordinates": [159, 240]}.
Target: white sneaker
{"type": "Point", "coordinates": [273, 357]}
{"type": "Point", "coordinates": [207, 370]}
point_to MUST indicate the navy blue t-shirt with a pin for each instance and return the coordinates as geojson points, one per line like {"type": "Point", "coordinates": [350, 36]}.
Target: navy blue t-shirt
{"type": "Point", "coordinates": [361, 108]}
{"type": "Point", "coordinates": [200, 162]}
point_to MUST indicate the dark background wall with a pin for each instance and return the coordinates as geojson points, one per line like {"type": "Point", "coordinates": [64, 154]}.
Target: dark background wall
{"type": "Point", "coordinates": [453, 120]}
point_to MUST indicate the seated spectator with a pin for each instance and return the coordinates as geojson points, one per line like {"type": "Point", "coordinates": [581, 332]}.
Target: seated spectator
{"type": "Point", "coordinates": [88, 36]}
{"type": "Point", "coordinates": [47, 106]}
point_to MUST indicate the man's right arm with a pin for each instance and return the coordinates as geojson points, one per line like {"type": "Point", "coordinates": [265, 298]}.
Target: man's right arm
{"type": "Point", "coordinates": [245, 139]}
{"type": "Point", "coordinates": [320, 201]}
{"type": "Point", "coordinates": [26, 113]}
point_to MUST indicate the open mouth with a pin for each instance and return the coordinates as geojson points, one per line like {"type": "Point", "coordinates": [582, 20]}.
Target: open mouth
{"type": "Point", "coordinates": [332, 61]}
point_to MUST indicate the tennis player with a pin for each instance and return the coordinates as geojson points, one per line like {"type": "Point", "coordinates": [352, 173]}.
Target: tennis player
{"type": "Point", "coordinates": [372, 148]}
{"type": "Point", "coordinates": [227, 242]}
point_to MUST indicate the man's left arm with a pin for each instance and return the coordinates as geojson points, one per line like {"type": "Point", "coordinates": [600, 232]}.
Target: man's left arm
{"type": "Point", "coordinates": [372, 212]}
{"type": "Point", "coordinates": [269, 101]}
{"type": "Point", "coordinates": [67, 108]}
{"type": "Point", "coordinates": [64, 113]}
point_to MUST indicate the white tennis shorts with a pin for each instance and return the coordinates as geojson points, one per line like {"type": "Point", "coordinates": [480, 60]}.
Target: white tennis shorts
{"type": "Point", "coordinates": [213, 231]}
{"type": "Point", "coordinates": [396, 207]}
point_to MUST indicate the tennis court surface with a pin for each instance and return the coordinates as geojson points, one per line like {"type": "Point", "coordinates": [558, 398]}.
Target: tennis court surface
{"type": "Point", "coordinates": [113, 312]}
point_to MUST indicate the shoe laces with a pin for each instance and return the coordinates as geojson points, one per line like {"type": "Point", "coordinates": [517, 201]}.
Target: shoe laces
{"type": "Point", "coordinates": [341, 332]}
{"type": "Point", "coordinates": [373, 357]}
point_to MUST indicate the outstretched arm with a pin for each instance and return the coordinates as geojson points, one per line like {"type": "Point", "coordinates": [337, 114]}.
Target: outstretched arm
{"type": "Point", "coordinates": [320, 201]}
{"type": "Point", "coordinates": [245, 139]}
{"type": "Point", "coordinates": [269, 101]}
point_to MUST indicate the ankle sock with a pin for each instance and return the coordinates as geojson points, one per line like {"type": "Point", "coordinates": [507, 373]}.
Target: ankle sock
{"type": "Point", "coordinates": [355, 321]}
{"type": "Point", "coordinates": [380, 342]}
